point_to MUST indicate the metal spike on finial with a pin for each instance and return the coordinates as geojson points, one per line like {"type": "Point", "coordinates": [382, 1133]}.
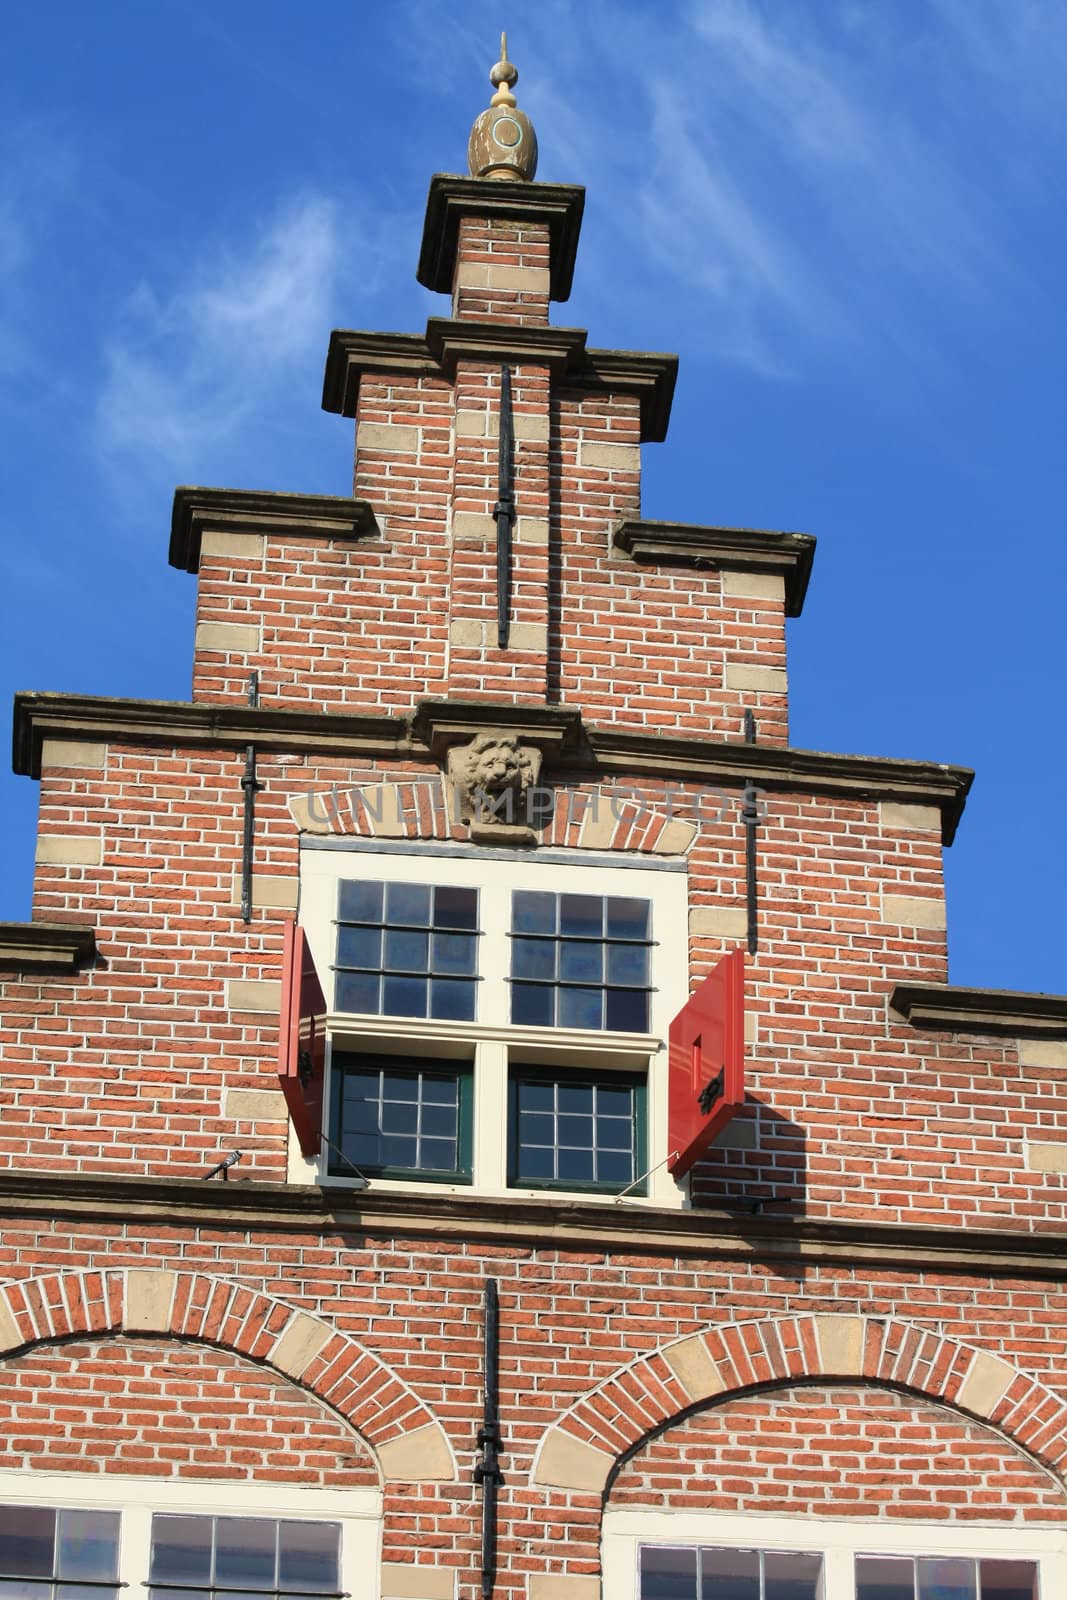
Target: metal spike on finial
{"type": "Point", "coordinates": [502, 142]}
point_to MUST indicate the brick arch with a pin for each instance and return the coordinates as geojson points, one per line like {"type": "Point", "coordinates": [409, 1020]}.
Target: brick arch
{"type": "Point", "coordinates": [584, 1448]}
{"type": "Point", "coordinates": [409, 1443]}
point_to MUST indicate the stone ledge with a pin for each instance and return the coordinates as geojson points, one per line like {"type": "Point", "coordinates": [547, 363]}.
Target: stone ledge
{"type": "Point", "coordinates": [260, 511]}
{"type": "Point", "coordinates": [1010, 1011]}
{"type": "Point", "coordinates": [559, 206]}
{"type": "Point", "coordinates": [692, 544]}
{"type": "Point", "coordinates": [443, 723]}
{"type": "Point", "coordinates": [28, 948]}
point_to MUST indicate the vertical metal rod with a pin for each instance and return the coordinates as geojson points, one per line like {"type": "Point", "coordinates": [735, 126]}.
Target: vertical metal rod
{"type": "Point", "coordinates": [487, 1472]}
{"type": "Point", "coordinates": [251, 787]}
{"type": "Point", "coordinates": [504, 511]}
{"type": "Point", "coordinates": [750, 817]}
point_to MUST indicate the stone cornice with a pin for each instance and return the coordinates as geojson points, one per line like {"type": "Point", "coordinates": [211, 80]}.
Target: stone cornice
{"type": "Point", "coordinates": [245, 1207]}
{"type": "Point", "coordinates": [558, 205]}
{"type": "Point", "coordinates": [649, 375]}
{"type": "Point", "coordinates": [589, 750]}
{"type": "Point", "coordinates": [440, 724]}
{"type": "Point", "coordinates": [45, 947]}
{"type": "Point", "coordinates": [1010, 1011]}
{"type": "Point", "coordinates": [738, 549]}
{"type": "Point", "coordinates": [258, 511]}
{"type": "Point", "coordinates": [928, 783]}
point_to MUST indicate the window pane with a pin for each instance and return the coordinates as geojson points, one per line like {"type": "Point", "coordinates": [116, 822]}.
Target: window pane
{"type": "Point", "coordinates": [359, 947]}
{"type": "Point", "coordinates": [729, 1574]}
{"type": "Point", "coordinates": [398, 1117]}
{"type": "Point", "coordinates": [628, 964]}
{"type": "Point", "coordinates": [575, 1166]}
{"type": "Point", "coordinates": [885, 1578]}
{"type": "Point", "coordinates": [25, 1589]}
{"type": "Point", "coordinates": [358, 993]}
{"type": "Point", "coordinates": [536, 1164]}
{"type": "Point", "coordinates": [576, 1133]}
{"type": "Point", "coordinates": [439, 1121]}
{"type": "Point", "coordinates": [308, 1556]}
{"type": "Point", "coordinates": [452, 999]}
{"type": "Point", "coordinates": [404, 997]}
{"type": "Point", "coordinates": [406, 951]}
{"type": "Point", "coordinates": [580, 1008]}
{"type": "Point", "coordinates": [533, 958]}
{"type": "Point", "coordinates": [581, 963]}
{"type": "Point", "coordinates": [245, 1550]}
{"type": "Point", "coordinates": [627, 1010]}
{"type": "Point", "coordinates": [89, 1545]}
{"type": "Point", "coordinates": [614, 1133]}
{"type": "Point", "coordinates": [573, 1098]}
{"type": "Point", "coordinates": [454, 908]}
{"type": "Point", "coordinates": [627, 919]}
{"type": "Point", "coordinates": [407, 903]}
{"type": "Point", "coordinates": [536, 1096]}
{"type": "Point", "coordinates": [181, 1550]}
{"type": "Point", "coordinates": [27, 1541]}
{"type": "Point", "coordinates": [1008, 1580]}
{"type": "Point", "coordinates": [454, 953]}
{"type": "Point", "coordinates": [581, 915]}
{"type": "Point", "coordinates": [615, 1166]}
{"type": "Point", "coordinates": [360, 902]}
{"type": "Point", "coordinates": [533, 912]}
{"type": "Point", "coordinates": [669, 1574]}
{"type": "Point", "coordinates": [532, 1003]}
{"type": "Point", "coordinates": [437, 1155]}
{"type": "Point", "coordinates": [946, 1578]}
{"type": "Point", "coordinates": [399, 1150]}
{"type": "Point", "coordinates": [792, 1575]}
{"type": "Point", "coordinates": [86, 1591]}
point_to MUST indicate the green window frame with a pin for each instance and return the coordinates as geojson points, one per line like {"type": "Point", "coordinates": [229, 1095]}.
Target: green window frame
{"type": "Point", "coordinates": [569, 1085]}
{"type": "Point", "coordinates": [402, 1084]}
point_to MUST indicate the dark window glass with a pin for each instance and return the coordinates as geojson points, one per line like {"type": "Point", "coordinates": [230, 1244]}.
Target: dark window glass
{"type": "Point", "coordinates": [243, 1556]}
{"type": "Point", "coordinates": [946, 1578]}
{"type": "Point", "coordinates": [668, 1574]}
{"type": "Point", "coordinates": [711, 1573]}
{"type": "Point", "coordinates": [580, 961]}
{"type": "Point", "coordinates": [791, 1575]}
{"type": "Point", "coordinates": [58, 1555]}
{"type": "Point", "coordinates": [730, 1575]}
{"type": "Point", "coordinates": [885, 1578]}
{"type": "Point", "coordinates": [407, 950]}
{"type": "Point", "coordinates": [575, 1131]}
{"type": "Point", "coordinates": [1008, 1580]}
{"type": "Point", "coordinates": [393, 1117]}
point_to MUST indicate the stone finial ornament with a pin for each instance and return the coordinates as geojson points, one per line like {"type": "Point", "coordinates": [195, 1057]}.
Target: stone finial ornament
{"type": "Point", "coordinates": [502, 142]}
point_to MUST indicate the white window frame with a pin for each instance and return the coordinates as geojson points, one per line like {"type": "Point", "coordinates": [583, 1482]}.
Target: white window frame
{"type": "Point", "coordinates": [838, 1539]}
{"type": "Point", "coordinates": [358, 1509]}
{"type": "Point", "coordinates": [491, 1041]}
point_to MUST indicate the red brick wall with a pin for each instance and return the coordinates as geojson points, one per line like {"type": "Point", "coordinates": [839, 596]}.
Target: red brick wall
{"type": "Point", "coordinates": [838, 1452]}
{"type": "Point", "coordinates": [160, 1408]}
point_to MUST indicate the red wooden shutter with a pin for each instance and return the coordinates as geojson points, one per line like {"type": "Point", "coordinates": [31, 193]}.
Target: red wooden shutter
{"type": "Point", "coordinates": [302, 1040]}
{"type": "Point", "coordinates": [706, 1071]}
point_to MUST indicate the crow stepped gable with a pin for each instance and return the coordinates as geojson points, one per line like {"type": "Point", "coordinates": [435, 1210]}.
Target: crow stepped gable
{"type": "Point", "coordinates": [606, 1190]}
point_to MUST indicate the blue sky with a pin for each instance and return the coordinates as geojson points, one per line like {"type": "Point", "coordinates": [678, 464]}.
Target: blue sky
{"type": "Point", "coordinates": [847, 218]}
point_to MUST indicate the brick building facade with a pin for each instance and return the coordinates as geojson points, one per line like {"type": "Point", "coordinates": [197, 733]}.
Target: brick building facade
{"type": "Point", "coordinates": [825, 1358]}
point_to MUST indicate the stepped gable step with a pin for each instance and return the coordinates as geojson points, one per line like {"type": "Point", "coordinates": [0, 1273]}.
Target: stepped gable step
{"type": "Point", "coordinates": [258, 511]}
{"type": "Point", "coordinates": [698, 545]}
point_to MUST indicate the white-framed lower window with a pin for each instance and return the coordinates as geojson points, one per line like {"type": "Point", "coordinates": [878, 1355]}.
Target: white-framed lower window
{"type": "Point", "coordinates": [74, 1536]}
{"type": "Point", "coordinates": [497, 1022]}
{"type": "Point", "coordinates": [658, 1555]}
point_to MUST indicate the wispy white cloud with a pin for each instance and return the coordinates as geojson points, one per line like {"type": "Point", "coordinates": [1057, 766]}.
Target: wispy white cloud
{"type": "Point", "coordinates": [38, 168]}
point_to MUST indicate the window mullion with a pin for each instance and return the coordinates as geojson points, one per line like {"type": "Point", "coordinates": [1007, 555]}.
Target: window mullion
{"type": "Point", "coordinates": [838, 1574]}
{"type": "Point", "coordinates": [491, 1116]}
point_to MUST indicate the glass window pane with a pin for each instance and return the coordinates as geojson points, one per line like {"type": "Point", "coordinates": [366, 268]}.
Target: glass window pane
{"type": "Point", "coordinates": [581, 1008]}
{"type": "Point", "coordinates": [86, 1591]}
{"type": "Point", "coordinates": [730, 1574]}
{"type": "Point", "coordinates": [27, 1541]}
{"type": "Point", "coordinates": [628, 963]}
{"type": "Point", "coordinates": [946, 1578]}
{"type": "Point", "coordinates": [575, 1166]}
{"type": "Point", "coordinates": [614, 1133]}
{"type": "Point", "coordinates": [89, 1546]}
{"type": "Point", "coordinates": [454, 953]}
{"type": "Point", "coordinates": [628, 919]}
{"type": "Point", "coordinates": [1008, 1580]}
{"type": "Point", "coordinates": [536, 1096]}
{"type": "Point", "coordinates": [885, 1578]}
{"type": "Point", "coordinates": [792, 1575]}
{"type": "Point", "coordinates": [668, 1574]}
{"type": "Point", "coordinates": [438, 1155]}
{"type": "Point", "coordinates": [404, 997]}
{"type": "Point", "coordinates": [245, 1552]}
{"type": "Point", "coordinates": [359, 947]}
{"type": "Point", "coordinates": [452, 999]}
{"type": "Point", "coordinates": [576, 1133]}
{"type": "Point", "coordinates": [360, 902]}
{"type": "Point", "coordinates": [614, 1101]}
{"type": "Point", "coordinates": [439, 1122]}
{"type": "Point", "coordinates": [398, 1117]}
{"type": "Point", "coordinates": [363, 1150]}
{"type": "Point", "coordinates": [355, 992]}
{"type": "Point", "coordinates": [574, 1098]}
{"type": "Point", "coordinates": [399, 1151]}
{"type": "Point", "coordinates": [531, 1003]}
{"type": "Point", "coordinates": [533, 912]}
{"type": "Point", "coordinates": [581, 915]}
{"type": "Point", "coordinates": [308, 1556]}
{"type": "Point", "coordinates": [533, 958]}
{"type": "Point", "coordinates": [537, 1127]}
{"type": "Point", "coordinates": [406, 951]}
{"type": "Point", "coordinates": [455, 908]}
{"type": "Point", "coordinates": [407, 903]}
{"type": "Point", "coordinates": [25, 1589]}
{"type": "Point", "coordinates": [626, 1010]}
{"type": "Point", "coordinates": [536, 1164]}
{"type": "Point", "coordinates": [581, 963]}
{"type": "Point", "coordinates": [399, 1086]}
{"type": "Point", "coordinates": [181, 1550]}
{"type": "Point", "coordinates": [186, 1594]}
{"type": "Point", "coordinates": [615, 1166]}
